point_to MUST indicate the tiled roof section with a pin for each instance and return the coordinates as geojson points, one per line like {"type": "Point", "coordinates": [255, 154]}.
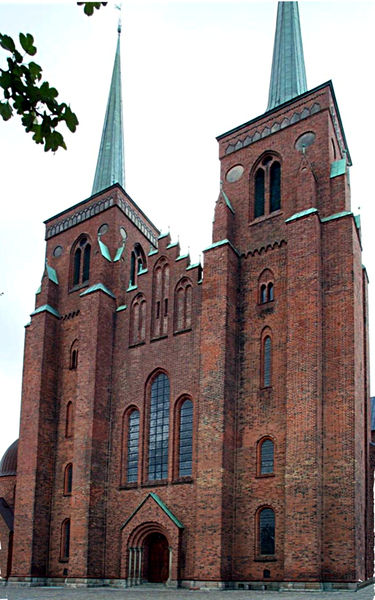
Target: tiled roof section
{"type": "Point", "coordinates": [110, 165]}
{"type": "Point", "coordinates": [8, 464]}
{"type": "Point", "coordinates": [288, 75]}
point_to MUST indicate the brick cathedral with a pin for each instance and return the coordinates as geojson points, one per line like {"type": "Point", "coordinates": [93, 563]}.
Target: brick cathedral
{"type": "Point", "coordinates": [202, 428]}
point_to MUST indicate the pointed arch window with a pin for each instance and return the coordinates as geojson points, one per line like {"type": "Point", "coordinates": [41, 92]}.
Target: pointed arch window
{"type": "Point", "coordinates": [73, 362]}
{"type": "Point", "coordinates": [137, 263]}
{"type": "Point", "coordinates": [266, 532]}
{"type": "Point", "coordinates": [183, 302]}
{"type": "Point", "coordinates": [68, 479]}
{"type": "Point", "coordinates": [185, 455]}
{"type": "Point", "coordinates": [81, 261]}
{"type": "Point", "coordinates": [266, 287]}
{"type": "Point", "coordinates": [138, 320]}
{"type": "Point", "coordinates": [158, 439]}
{"type": "Point", "coordinates": [160, 299]}
{"type": "Point", "coordinates": [267, 187]}
{"type": "Point", "coordinates": [65, 540]}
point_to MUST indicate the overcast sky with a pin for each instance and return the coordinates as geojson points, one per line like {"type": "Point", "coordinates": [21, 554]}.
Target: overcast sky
{"type": "Point", "coordinates": [191, 70]}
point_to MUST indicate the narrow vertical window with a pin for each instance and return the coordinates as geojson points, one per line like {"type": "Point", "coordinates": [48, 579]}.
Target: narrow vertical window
{"type": "Point", "coordinates": [65, 540]}
{"type": "Point", "coordinates": [77, 266]}
{"type": "Point", "coordinates": [266, 457]}
{"type": "Point", "coordinates": [137, 263]}
{"type": "Point", "coordinates": [132, 447]}
{"type": "Point", "coordinates": [69, 420]}
{"type": "Point", "coordinates": [267, 531]}
{"type": "Point", "coordinates": [68, 479]}
{"type": "Point", "coordinates": [138, 320]}
{"type": "Point", "coordinates": [159, 428]}
{"type": "Point", "coordinates": [275, 176]}
{"type": "Point", "coordinates": [86, 263]}
{"type": "Point", "coordinates": [160, 295]}
{"type": "Point", "coordinates": [267, 356]}
{"type": "Point", "coordinates": [186, 439]}
{"type": "Point", "coordinates": [270, 292]}
{"type": "Point", "coordinates": [263, 294]}
{"type": "Point", "coordinates": [259, 194]}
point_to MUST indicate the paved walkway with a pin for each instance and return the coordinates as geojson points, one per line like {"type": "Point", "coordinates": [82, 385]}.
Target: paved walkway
{"type": "Point", "coordinates": [143, 593]}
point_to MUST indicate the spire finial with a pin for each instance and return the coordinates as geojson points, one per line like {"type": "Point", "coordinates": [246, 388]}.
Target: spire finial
{"type": "Point", "coordinates": [119, 8]}
{"type": "Point", "coordinates": [110, 164]}
{"type": "Point", "coordinates": [288, 76]}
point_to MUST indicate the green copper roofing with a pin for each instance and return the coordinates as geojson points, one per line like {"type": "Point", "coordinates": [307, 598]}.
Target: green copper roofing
{"type": "Point", "coordinates": [104, 250]}
{"type": "Point", "coordinates": [338, 168]}
{"type": "Point", "coordinates": [46, 308]}
{"type": "Point", "coordinates": [51, 274]}
{"type": "Point", "coordinates": [110, 165]}
{"type": "Point", "coordinates": [344, 213]}
{"type": "Point", "coordinates": [288, 75]}
{"type": "Point", "coordinates": [98, 287]}
{"type": "Point", "coordinates": [119, 252]}
{"type": "Point", "coordinates": [303, 213]}
{"type": "Point", "coordinates": [161, 504]}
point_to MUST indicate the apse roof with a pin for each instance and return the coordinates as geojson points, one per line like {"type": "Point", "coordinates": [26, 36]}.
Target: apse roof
{"type": "Point", "coordinates": [8, 464]}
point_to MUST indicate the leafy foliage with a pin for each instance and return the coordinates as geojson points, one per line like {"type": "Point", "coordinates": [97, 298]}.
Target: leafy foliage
{"type": "Point", "coordinates": [89, 7]}
{"type": "Point", "coordinates": [26, 95]}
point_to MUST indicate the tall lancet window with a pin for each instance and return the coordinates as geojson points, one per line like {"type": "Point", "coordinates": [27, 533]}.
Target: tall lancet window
{"type": "Point", "coordinates": [267, 187]}
{"type": "Point", "coordinates": [81, 261]}
{"type": "Point", "coordinates": [158, 428]}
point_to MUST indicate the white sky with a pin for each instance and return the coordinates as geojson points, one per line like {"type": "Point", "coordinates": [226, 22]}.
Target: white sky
{"type": "Point", "coordinates": [191, 70]}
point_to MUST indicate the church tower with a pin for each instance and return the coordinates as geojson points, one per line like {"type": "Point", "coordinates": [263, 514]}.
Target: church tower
{"type": "Point", "coordinates": [203, 430]}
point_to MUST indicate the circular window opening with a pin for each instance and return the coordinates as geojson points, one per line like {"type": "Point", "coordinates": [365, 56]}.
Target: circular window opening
{"type": "Point", "coordinates": [58, 251]}
{"type": "Point", "coordinates": [234, 174]}
{"type": "Point", "coordinates": [304, 141]}
{"type": "Point", "coordinates": [123, 233]}
{"type": "Point", "coordinates": [103, 229]}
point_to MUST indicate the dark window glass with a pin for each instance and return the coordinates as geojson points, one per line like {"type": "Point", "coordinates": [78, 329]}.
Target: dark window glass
{"type": "Point", "coordinates": [270, 292]}
{"type": "Point", "coordinates": [267, 531]}
{"type": "Point", "coordinates": [259, 194]}
{"type": "Point", "coordinates": [69, 420]}
{"type": "Point", "coordinates": [266, 457]}
{"type": "Point", "coordinates": [267, 362]}
{"type": "Point", "coordinates": [86, 263]}
{"type": "Point", "coordinates": [186, 439]}
{"type": "Point", "coordinates": [133, 445]}
{"type": "Point", "coordinates": [68, 479]}
{"type": "Point", "coordinates": [77, 266]}
{"type": "Point", "coordinates": [275, 173]}
{"type": "Point", "coordinates": [65, 541]}
{"type": "Point", "coordinates": [263, 294]}
{"type": "Point", "coordinates": [132, 268]}
{"type": "Point", "coordinates": [159, 428]}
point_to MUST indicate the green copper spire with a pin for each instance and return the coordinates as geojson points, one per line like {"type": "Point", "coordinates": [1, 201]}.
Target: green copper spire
{"type": "Point", "coordinates": [110, 165]}
{"type": "Point", "coordinates": [288, 76]}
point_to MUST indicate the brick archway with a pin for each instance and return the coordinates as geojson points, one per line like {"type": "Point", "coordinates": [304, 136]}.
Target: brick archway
{"type": "Point", "coordinates": [152, 523]}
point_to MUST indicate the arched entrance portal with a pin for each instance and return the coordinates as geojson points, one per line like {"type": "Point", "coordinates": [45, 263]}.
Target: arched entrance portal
{"type": "Point", "coordinates": [156, 553]}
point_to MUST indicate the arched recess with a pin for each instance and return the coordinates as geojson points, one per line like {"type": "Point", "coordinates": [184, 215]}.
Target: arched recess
{"type": "Point", "coordinates": [265, 185]}
{"type": "Point", "coordinates": [265, 456]}
{"type": "Point", "coordinates": [265, 531]}
{"type": "Point", "coordinates": [266, 287]}
{"type": "Point", "coordinates": [160, 298]}
{"type": "Point", "coordinates": [183, 304]}
{"type": "Point", "coordinates": [138, 317]}
{"type": "Point", "coordinates": [80, 260]}
{"type": "Point", "coordinates": [69, 419]}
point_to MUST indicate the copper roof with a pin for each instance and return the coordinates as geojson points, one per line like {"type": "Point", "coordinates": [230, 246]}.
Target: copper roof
{"type": "Point", "coordinates": [8, 464]}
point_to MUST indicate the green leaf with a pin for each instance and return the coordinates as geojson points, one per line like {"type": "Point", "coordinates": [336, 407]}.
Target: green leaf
{"type": "Point", "coordinates": [88, 7]}
{"type": "Point", "coordinates": [38, 136]}
{"type": "Point", "coordinates": [54, 141]}
{"type": "Point", "coordinates": [35, 71]}
{"type": "Point", "coordinates": [27, 43]}
{"type": "Point", "coordinates": [70, 119]}
{"type": "Point", "coordinates": [5, 110]}
{"type": "Point", "coordinates": [7, 42]}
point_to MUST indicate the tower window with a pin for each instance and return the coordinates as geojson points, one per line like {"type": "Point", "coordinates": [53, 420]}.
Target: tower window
{"type": "Point", "coordinates": [137, 263]}
{"type": "Point", "coordinates": [266, 532]}
{"type": "Point", "coordinates": [266, 287]}
{"type": "Point", "coordinates": [265, 457]}
{"type": "Point", "coordinates": [138, 320]}
{"type": "Point", "coordinates": [68, 479]}
{"type": "Point", "coordinates": [158, 428]}
{"type": "Point", "coordinates": [69, 420]}
{"type": "Point", "coordinates": [267, 360]}
{"type": "Point", "coordinates": [81, 262]}
{"type": "Point", "coordinates": [183, 302]}
{"type": "Point", "coordinates": [267, 187]}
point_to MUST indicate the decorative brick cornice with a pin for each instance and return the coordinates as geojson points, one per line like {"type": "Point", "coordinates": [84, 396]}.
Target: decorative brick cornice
{"type": "Point", "coordinates": [97, 207]}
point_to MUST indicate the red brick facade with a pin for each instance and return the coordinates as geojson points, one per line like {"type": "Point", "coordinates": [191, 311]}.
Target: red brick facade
{"type": "Point", "coordinates": [270, 343]}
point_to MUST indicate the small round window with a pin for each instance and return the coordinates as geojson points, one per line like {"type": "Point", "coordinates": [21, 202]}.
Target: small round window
{"type": "Point", "coordinates": [234, 174]}
{"type": "Point", "coordinates": [103, 229]}
{"type": "Point", "coordinates": [57, 251]}
{"type": "Point", "coordinates": [305, 140]}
